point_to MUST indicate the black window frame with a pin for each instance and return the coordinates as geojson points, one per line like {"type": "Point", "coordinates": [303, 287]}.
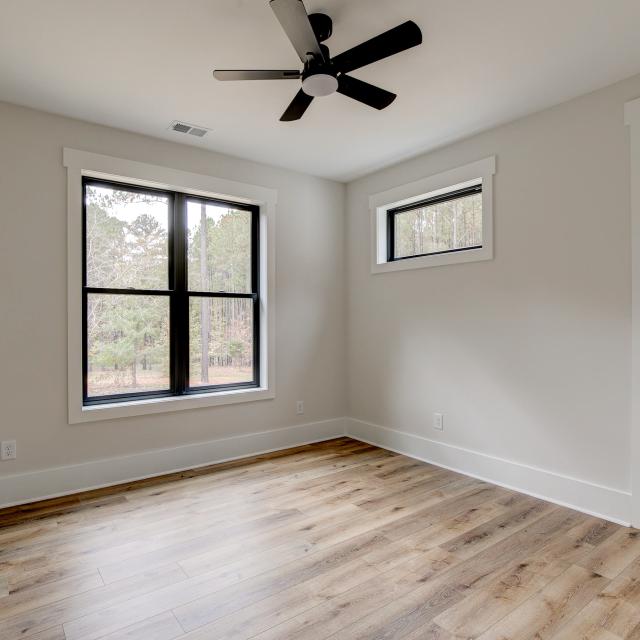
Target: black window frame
{"type": "Point", "coordinates": [443, 197]}
{"type": "Point", "coordinates": [178, 293]}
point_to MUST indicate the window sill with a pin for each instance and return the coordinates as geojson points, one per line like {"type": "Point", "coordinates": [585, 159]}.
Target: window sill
{"type": "Point", "coordinates": [434, 260]}
{"type": "Point", "coordinates": [130, 408]}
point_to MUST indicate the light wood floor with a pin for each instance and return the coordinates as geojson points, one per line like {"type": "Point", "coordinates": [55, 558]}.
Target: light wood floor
{"type": "Point", "coordinates": [338, 540]}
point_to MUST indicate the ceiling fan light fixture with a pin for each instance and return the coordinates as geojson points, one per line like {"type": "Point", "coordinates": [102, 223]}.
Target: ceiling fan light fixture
{"type": "Point", "coordinates": [320, 84]}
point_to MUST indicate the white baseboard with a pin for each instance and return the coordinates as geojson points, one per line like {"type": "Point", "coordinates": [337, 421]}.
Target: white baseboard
{"type": "Point", "coordinates": [21, 488]}
{"type": "Point", "coordinates": [593, 499]}
{"type": "Point", "coordinates": [590, 498]}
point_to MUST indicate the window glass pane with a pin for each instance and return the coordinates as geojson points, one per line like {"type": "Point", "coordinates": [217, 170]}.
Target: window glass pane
{"type": "Point", "coordinates": [127, 344]}
{"type": "Point", "coordinates": [219, 248]}
{"type": "Point", "coordinates": [127, 242]}
{"type": "Point", "coordinates": [446, 226]}
{"type": "Point", "coordinates": [220, 341]}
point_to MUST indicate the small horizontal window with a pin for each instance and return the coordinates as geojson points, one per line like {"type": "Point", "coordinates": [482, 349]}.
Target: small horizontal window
{"type": "Point", "coordinates": [446, 223]}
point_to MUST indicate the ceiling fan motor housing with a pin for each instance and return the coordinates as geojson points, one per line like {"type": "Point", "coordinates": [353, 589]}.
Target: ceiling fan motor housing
{"type": "Point", "coordinates": [318, 77]}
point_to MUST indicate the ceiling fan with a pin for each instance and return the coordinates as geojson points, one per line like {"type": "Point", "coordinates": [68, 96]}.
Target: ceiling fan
{"type": "Point", "coordinates": [323, 75]}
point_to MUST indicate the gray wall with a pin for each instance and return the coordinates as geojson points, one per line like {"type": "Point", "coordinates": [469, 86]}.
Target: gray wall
{"type": "Point", "coordinates": [310, 349]}
{"type": "Point", "coordinates": [527, 355]}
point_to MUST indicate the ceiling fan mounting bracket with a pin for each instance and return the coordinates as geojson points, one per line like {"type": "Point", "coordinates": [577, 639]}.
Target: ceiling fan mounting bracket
{"type": "Point", "coordinates": [322, 25]}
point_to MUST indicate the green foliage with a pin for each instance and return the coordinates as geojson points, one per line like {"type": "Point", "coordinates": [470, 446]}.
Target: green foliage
{"type": "Point", "coordinates": [228, 255]}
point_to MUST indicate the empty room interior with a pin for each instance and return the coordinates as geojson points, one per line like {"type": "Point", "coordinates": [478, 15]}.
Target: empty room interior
{"type": "Point", "coordinates": [320, 319]}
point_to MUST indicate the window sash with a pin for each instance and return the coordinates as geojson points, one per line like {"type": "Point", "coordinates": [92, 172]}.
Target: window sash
{"type": "Point", "coordinates": [178, 293]}
{"type": "Point", "coordinates": [443, 197]}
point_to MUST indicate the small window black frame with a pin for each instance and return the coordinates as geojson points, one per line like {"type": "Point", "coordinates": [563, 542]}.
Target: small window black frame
{"type": "Point", "coordinates": [178, 293]}
{"type": "Point", "coordinates": [443, 197]}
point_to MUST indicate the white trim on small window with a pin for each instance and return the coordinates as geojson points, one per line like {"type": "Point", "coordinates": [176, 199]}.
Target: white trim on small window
{"type": "Point", "coordinates": [82, 163]}
{"type": "Point", "coordinates": [480, 172]}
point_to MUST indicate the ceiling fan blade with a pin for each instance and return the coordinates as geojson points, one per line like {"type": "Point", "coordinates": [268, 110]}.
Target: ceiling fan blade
{"type": "Point", "coordinates": [298, 106]}
{"type": "Point", "coordinates": [390, 42]}
{"type": "Point", "coordinates": [364, 92]}
{"type": "Point", "coordinates": [255, 74]}
{"type": "Point", "coordinates": [293, 18]}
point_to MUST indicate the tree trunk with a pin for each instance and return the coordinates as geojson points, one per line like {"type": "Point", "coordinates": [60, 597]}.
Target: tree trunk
{"type": "Point", "coordinates": [205, 317]}
{"type": "Point", "coordinates": [454, 244]}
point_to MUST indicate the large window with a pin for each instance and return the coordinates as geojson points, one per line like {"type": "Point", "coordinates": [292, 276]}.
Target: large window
{"type": "Point", "coordinates": [170, 293]}
{"type": "Point", "coordinates": [445, 223]}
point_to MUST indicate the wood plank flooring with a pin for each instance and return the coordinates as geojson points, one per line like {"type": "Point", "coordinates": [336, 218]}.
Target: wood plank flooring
{"type": "Point", "coordinates": [338, 540]}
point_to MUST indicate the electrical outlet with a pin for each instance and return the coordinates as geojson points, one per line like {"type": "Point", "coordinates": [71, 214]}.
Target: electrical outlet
{"type": "Point", "coordinates": [438, 421]}
{"type": "Point", "coordinates": [8, 450]}
{"type": "Point", "coordinates": [299, 407]}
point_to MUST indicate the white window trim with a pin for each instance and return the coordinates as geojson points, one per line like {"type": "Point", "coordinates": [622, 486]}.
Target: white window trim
{"type": "Point", "coordinates": [82, 163]}
{"type": "Point", "coordinates": [481, 171]}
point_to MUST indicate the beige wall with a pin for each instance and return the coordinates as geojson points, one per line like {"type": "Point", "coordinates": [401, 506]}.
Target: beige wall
{"type": "Point", "coordinates": [527, 355]}
{"type": "Point", "coordinates": [310, 347]}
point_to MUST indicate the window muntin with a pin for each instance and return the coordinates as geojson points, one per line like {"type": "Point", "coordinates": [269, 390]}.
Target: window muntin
{"type": "Point", "coordinates": [143, 326]}
{"type": "Point", "coordinates": [446, 223]}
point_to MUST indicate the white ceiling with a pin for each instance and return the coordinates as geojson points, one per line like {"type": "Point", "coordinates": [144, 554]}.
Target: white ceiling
{"type": "Point", "coordinates": [139, 64]}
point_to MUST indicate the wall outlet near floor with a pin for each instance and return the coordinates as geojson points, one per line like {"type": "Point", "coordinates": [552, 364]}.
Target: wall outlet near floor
{"type": "Point", "coordinates": [438, 421]}
{"type": "Point", "coordinates": [300, 407]}
{"type": "Point", "coordinates": [8, 450]}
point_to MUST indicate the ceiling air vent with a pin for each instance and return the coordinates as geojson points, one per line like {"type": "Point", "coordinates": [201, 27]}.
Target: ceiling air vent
{"type": "Point", "coordinates": [185, 127]}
